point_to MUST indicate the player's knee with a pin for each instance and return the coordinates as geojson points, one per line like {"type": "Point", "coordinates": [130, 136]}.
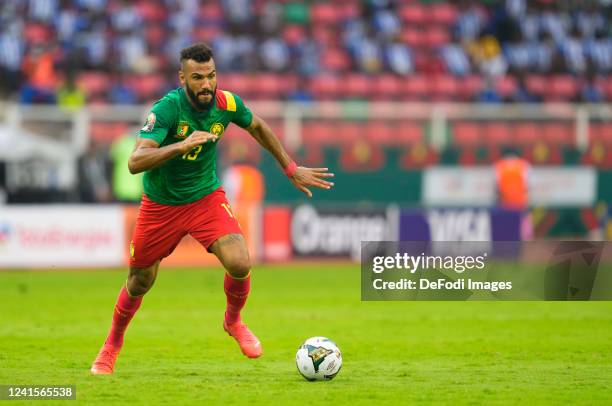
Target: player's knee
{"type": "Point", "coordinates": [140, 281]}
{"type": "Point", "coordinates": [239, 267]}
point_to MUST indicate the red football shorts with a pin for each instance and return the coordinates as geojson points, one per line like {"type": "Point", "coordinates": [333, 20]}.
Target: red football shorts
{"type": "Point", "coordinates": [159, 228]}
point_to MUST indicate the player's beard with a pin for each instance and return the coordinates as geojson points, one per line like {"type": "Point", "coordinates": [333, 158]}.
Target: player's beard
{"type": "Point", "coordinates": [196, 101]}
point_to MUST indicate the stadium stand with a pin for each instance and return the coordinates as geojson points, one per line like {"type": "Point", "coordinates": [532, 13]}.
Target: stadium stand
{"type": "Point", "coordinates": [428, 46]}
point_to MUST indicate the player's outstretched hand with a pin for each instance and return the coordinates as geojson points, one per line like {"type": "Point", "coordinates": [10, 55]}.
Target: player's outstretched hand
{"type": "Point", "coordinates": [305, 177]}
{"type": "Point", "coordinates": [198, 138]}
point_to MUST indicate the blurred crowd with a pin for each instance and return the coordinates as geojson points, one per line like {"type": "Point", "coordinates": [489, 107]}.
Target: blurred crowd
{"type": "Point", "coordinates": [117, 51]}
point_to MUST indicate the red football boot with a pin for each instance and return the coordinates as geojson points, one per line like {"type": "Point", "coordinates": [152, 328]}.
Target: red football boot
{"type": "Point", "coordinates": [249, 344]}
{"type": "Point", "coordinates": [105, 361]}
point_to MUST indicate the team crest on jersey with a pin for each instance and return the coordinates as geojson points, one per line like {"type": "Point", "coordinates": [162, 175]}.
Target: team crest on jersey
{"type": "Point", "coordinates": [181, 130]}
{"type": "Point", "coordinates": [217, 129]}
{"type": "Point", "coordinates": [148, 127]}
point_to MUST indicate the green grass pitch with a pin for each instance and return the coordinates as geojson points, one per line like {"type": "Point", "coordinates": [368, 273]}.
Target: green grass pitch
{"type": "Point", "coordinates": [176, 352]}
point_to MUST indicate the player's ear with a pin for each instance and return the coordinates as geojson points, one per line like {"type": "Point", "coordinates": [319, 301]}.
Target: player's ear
{"type": "Point", "coordinates": [181, 76]}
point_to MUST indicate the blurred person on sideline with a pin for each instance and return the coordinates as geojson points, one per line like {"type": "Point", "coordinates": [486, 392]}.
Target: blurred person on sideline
{"type": "Point", "coordinates": [126, 187]}
{"type": "Point", "coordinates": [94, 186]}
{"type": "Point", "coordinates": [512, 182]}
{"type": "Point", "coordinates": [70, 97]}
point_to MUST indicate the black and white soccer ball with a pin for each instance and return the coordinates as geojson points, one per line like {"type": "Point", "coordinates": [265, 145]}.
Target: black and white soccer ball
{"type": "Point", "coordinates": [318, 359]}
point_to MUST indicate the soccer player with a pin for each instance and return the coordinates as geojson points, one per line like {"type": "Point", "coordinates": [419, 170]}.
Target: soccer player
{"type": "Point", "coordinates": [176, 150]}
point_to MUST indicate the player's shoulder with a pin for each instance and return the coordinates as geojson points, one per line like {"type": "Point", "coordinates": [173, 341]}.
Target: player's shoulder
{"type": "Point", "coordinates": [170, 99]}
{"type": "Point", "coordinates": [168, 106]}
{"type": "Point", "coordinates": [227, 100]}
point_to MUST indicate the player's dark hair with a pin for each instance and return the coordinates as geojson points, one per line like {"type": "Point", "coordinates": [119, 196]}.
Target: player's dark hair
{"type": "Point", "coordinates": [199, 52]}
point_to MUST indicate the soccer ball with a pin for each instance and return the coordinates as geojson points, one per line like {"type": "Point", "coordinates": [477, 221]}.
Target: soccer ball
{"type": "Point", "coordinates": [318, 359]}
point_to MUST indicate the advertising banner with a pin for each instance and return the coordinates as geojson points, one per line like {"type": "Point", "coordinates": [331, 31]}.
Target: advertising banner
{"type": "Point", "coordinates": [548, 186]}
{"type": "Point", "coordinates": [61, 236]}
{"type": "Point", "coordinates": [460, 225]}
{"type": "Point", "coordinates": [277, 233]}
{"type": "Point", "coordinates": [338, 231]}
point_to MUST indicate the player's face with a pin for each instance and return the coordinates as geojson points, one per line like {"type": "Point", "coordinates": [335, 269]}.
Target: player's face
{"type": "Point", "coordinates": [200, 82]}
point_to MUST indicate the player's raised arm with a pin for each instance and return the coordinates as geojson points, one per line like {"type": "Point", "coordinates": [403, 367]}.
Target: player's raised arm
{"type": "Point", "coordinates": [301, 177]}
{"type": "Point", "coordinates": [148, 155]}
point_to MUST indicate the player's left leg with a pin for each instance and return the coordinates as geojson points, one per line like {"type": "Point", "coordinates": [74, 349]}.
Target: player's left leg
{"type": "Point", "coordinates": [233, 254]}
{"type": "Point", "coordinates": [214, 225]}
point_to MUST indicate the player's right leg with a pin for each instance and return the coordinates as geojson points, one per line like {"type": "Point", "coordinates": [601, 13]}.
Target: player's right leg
{"type": "Point", "coordinates": [130, 296]}
{"type": "Point", "coordinates": [157, 232]}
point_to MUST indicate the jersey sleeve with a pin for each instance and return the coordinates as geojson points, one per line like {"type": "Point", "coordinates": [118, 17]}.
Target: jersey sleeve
{"type": "Point", "coordinates": [160, 120]}
{"type": "Point", "coordinates": [243, 116]}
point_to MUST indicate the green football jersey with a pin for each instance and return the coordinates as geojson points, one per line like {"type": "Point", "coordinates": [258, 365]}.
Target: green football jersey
{"type": "Point", "coordinates": [189, 177]}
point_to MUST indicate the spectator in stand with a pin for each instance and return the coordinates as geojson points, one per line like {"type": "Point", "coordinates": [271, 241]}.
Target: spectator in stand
{"type": "Point", "coordinates": [42, 10]}
{"type": "Point", "coordinates": [398, 57]}
{"type": "Point", "coordinates": [246, 48]}
{"type": "Point", "coordinates": [530, 22]}
{"type": "Point", "coordinates": [126, 18]}
{"type": "Point", "coordinates": [589, 20]}
{"type": "Point", "coordinates": [120, 92]}
{"type": "Point", "coordinates": [455, 59]}
{"type": "Point", "coordinates": [522, 94]}
{"type": "Point", "coordinates": [590, 92]}
{"type": "Point", "coordinates": [307, 55]}
{"type": "Point", "coordinates": [95, 43]}
{"type": "Point", "coordinates": [65, 23]}
{"type": "Point", "coordinates": [271, 17]}
{"type": "Point", "coordinates": [98, 6]}
{"type": "Point", "coordinates": [516, 9]}
{"type": "Point", "coordinates": [41, 77]}
{"type": "Point", "coordinates": [354, 32]}
{"type": "Point", "coordinates": [556, 38]}
{"type": "Point", "coordinates": [131, 50]}
{"type": "Point", "coordinates": [274, 54]}
{"type": "Point", "coordinates": [226, 51]}
{"type": "Point", "coordinates": [301, 92]}
{"type": "Point", "coordinates": [367, 56]}
{"type": "Point", "coordinates": [239, 13]}
{"type": "Point", "coordinates": [518, 54]}
{"type": "Point", "coordinates": [556, 23]}
{"type": "Point", "coordinates": [11, 56]}
{"type": "Point", "coordinates": [599, 51]}
{"type": "Point", "coordinates": [489, 94]}
{"type": "Point", "coordinates": [543, 54]}
{"type": "Point", "coordinates": [487, 54]}
{"type": "Point", "coordinates": [181, 19]}
{"type": "Point", "coordinates": [572, 50]}
{"type": "Point", "coordinates": [176, 39]}
{"type": "Point", "coordinates": [386, 24]}
{"type": "Point", "coordinates": [470, 22]}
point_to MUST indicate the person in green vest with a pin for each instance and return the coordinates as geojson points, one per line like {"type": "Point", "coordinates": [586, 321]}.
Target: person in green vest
{"type": "Point", "coordinates": [70, 96]}
{"type": "Point", "coordinates": [126, 187]}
